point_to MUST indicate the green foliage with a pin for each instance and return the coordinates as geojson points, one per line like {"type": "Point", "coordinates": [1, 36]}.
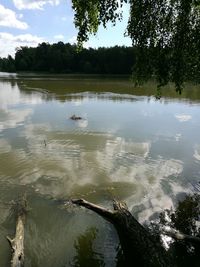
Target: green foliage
{"type": "Point", "coordinates": [184, 218]}
{"type": "Point", "coordinates": [165, 33]}
{"type": "Point", "coordinates": [7, 64]}
{"type": "Point", "coordinates": [91, 13]}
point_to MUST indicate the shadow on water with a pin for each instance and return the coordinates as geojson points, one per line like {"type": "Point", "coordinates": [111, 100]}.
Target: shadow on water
{"type": "Point", "coordinates": [65, 87]}
{"type": "Point", "coordinates": [86, 255]}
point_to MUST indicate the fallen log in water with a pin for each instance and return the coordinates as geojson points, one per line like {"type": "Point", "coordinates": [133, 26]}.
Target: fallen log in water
{"type": "Point", "coordinates": [17, 243]}
{"type": "Point", "coordinates": [138, 246]}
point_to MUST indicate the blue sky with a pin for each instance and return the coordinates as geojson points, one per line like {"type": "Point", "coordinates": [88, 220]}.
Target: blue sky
{"type": "Point", "coordinates": [29, 22]}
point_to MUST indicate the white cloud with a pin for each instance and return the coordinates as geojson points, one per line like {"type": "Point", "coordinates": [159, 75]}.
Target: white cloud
{"type": "Point", "coordinates": [73, 40]}
{"type": "Point", "coordinates": [9, 42]}
{"type": "Point", "coordinates": [59, 37]}
{"type": "Point", "coordinates": [34, 4]}
{"type": "Point", "coordinates": [20, 15]}
{"type": "Point", "coordinates": [12, 96]}
{"type": "Point", "coordinates": [8, 18]}
{"type": "Point", "coordinates": [183, 117]}
{"type": "Point", "coordinates": [5, 147]}
{"type": "Point", "coordinates": [196, 154]}
{"type": "Point", "coordinates": [178, 137]}
{"type": "Point", "coordinates": [13, 118]}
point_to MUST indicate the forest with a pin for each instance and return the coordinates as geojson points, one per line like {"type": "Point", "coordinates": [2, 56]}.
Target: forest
{"type": "Point", "coordinates": [64, 58]}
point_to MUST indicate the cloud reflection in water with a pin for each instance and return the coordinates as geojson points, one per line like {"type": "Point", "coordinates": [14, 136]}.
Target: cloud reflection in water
{"type": "Point", "coordinates": [112, 166]}
{"type": "Point", "coordinates": [75, 160]}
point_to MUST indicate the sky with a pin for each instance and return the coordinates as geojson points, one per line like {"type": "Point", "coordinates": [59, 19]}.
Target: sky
{"type": "Point", "coordinates": [30, 22]}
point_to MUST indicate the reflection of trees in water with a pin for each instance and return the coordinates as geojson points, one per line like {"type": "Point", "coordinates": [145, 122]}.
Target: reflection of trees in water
{"type": "Point", "coordinates": [13, 82]}
{"type": "Point", "coordinates": [77, 89]}
{"type": "Point", "coordinates": [30, 91]}
{"type": "Point", "coordinates": [72, 88]}
{"type": "Point", "coordinates": [120, 260]}
{"type": "Point", "coordinates": [185, 219]}
{"type": "Point", "coordinates": [143, 246]}
{"type": "Point", "coordinates": [86, 256]}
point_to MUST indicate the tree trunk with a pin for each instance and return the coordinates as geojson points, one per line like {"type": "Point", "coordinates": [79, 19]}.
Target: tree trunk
{"type": "Point", "coordinates": [138, 246]}
{"type": "Point", "coordinates": [17, 244]}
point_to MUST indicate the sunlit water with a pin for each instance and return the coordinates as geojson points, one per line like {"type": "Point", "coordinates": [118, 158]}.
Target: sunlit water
{"type": "Point", "coordinates": [127, 146]}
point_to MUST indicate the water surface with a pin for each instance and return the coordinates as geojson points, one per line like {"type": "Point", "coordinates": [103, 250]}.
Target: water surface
{"type": "Point", "coordinates": [128, 145]}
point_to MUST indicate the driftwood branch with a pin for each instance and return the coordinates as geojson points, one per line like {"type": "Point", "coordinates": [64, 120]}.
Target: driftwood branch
{"type": "Point", "coordinates": [138, 246]}
{"type": "Point", "coordinates": [17, 243]}
{"type": "Point", "coordinates": [107, 214]}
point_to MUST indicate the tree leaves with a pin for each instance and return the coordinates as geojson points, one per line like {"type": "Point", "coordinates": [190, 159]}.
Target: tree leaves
{"type": "Point", "coordinates": [91, 13]}
{"type": "Point", "coordinates": [165, 33]}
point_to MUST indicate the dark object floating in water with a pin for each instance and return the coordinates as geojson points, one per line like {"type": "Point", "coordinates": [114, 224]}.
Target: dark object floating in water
{"type": "Point", "coordinates": [75, 118]}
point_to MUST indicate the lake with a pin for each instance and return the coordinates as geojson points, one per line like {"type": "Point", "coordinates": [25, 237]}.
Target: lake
{"type": "Point", "coordinates": [128, 146]}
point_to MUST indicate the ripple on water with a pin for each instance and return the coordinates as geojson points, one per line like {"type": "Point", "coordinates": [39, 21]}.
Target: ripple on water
{"type": "Point", "coordinates": [196, 154]}
{"type": "Point", "coordinates": [64, 167]}
{"type": "Point", "coordinates": [107, 154]}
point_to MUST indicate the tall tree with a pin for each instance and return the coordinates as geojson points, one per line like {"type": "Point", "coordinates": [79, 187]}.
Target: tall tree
{"type": "Point", "coordinates": [166, 34]}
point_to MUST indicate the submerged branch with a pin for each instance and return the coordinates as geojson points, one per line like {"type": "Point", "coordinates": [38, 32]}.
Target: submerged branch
{"type": "Point", "coordinates": [17, 243]}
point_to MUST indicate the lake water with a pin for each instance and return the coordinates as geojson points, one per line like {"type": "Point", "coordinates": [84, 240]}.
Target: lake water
{"type": "Point", "coordinates": [128, 146]}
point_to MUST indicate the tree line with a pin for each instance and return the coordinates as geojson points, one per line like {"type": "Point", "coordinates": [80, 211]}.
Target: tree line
{"type": "Point", "coordinates": [67, 58]}
{"type": "Point", "coordinates": [64, 58]}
